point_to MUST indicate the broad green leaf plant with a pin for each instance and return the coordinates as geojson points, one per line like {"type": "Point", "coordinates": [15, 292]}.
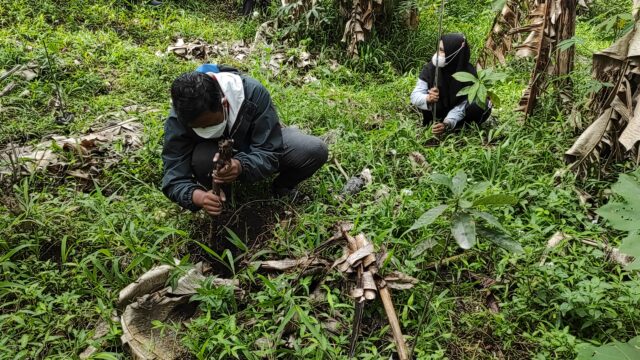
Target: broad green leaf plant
{"type": "Point", "coordinates": [624, 214]}
{"type": "Point", "coordinates": [612, 351]}
{"type": "Point", "coordinates": [466, 212]}
{"type": "Point", "coordinates": [481, 87]}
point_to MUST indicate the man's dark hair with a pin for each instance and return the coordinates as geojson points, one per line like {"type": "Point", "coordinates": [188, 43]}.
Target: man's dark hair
{"type": "Point", "coordinates": [193, 94]}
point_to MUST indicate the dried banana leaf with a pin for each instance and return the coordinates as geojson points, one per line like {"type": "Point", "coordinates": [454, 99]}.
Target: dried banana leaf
{"type": "Point", "coordinates": [615, 133]}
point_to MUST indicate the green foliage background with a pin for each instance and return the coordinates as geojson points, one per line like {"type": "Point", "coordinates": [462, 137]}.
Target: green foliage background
{"type": "Point", "coordinates": [67, 248]}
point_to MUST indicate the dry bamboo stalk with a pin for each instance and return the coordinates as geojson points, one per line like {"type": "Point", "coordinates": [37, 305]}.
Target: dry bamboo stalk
{"type": "Point", "coordinates": [363, 242]}
{"type": "Point", "coordinates": [357, 318]}
{"type": "Point", "coordinates": [353, 244]}
{"type": "Point", "coordinates": [385, 296]}
{"type": "Point", "coordinates": [359, 302]}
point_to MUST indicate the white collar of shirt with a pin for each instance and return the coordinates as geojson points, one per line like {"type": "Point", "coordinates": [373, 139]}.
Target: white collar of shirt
{"type": "Point", "coordinates": [231, 85]}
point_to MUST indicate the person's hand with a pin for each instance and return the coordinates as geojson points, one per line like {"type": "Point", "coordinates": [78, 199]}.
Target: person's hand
{"type": "Point", "coordinates": [433, 96]}
{"type": "Point", "coordinates": [229, 173]}
{"type": "Point", "coordinates": [209, 201]}
{"type": "Point", "coordinates": [439, 128]}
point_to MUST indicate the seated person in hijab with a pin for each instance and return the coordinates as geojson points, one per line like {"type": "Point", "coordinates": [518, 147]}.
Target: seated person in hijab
{"type": "Point", "coordinates": [217, 102]}
{"type": "Point", "coordinates": [453, 56]}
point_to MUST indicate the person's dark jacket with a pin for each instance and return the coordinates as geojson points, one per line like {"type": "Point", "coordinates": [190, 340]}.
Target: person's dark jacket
{"type": "Point", "coordinates": [257, 145]}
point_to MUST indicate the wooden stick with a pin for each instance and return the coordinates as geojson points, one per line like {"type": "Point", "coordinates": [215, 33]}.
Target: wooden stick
{"type": "Point", "coordinates": [385, 296]}
{"type": "Point", "coordinates": [13, 70]}
{"type": "Point", "coordinates": [7, 89]}
{"type": "Point", "coordinates": [359, 303]}
{"type": "Point", "coordinates": [357, 316]}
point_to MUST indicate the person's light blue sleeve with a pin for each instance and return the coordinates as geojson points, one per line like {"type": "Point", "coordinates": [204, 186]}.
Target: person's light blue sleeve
{"type": "Point", "coordinates": [419, 95]}
{"type": "Point", "coordinates": [456, 114]}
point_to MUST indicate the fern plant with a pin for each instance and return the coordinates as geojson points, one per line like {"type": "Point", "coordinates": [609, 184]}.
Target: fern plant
{"type": "Point", "coordinates": [624, 214]}
{"type": "Point", "coordinates": [466, 213]}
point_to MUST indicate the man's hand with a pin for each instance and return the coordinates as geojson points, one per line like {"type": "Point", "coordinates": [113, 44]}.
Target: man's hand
{"type": "Point", "coordinates": [433, 96]}
{"type": "Point", "coordinates": [229, 173]}
{"type": "Point", "coordinates": [209, 201]}
{"type": "Point", "coordinates": [439, 128]}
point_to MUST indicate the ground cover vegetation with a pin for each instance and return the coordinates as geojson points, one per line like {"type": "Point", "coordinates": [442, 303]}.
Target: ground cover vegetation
{"type": "Point", "coordinates": [68, 245]}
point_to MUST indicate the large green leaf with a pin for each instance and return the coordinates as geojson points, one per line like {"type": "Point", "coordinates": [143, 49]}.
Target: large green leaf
{"type": "Point", "coordinates": [491, 76]}
{"type": "Point", "coordinates": [496, 199]}
{"type": "Point", "coordinates": [495, 99]}
{"type": "Point", "coordinates": [612, 351]}
{"type": "Point", "coordinates": [479, 188]}
{"type": "Point", "coordinates": [428, 217]}
{"type": "Point", "coordinates": [621, 216]}
{"type": "Point", "coordinates": [500, 238]}
{"type": "Point", "coordinates": [459, 182]}
{"type": "Point", "coordinates": [473, 92]}
{"type": "Point", "coordinates": [422, 247]}
{"type": "Point", "coordinates": [482, 94]}
{"type": "Point", "coordinates": [463, 229]}
{"type": "Point", "coordinates": [463, 76]}
{"type": "Point", "coordinates": [629, 188]}
{"type": "Point", "coordinates": [490, 219]}
{"type": "Point", "coordinates": [631, 246]}
{"type": "Point", "coordinates": [464, 91]}
{"type": "Point", "coordinates": [624, 215]}
{"type": "Point", "coordinates": [442, 180]}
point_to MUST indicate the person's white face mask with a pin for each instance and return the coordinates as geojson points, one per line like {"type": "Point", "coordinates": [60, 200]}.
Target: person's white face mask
{"type": "Point", "coordinates": [213, 131]}
{"type": "Point", "coordinates": [439, 60]}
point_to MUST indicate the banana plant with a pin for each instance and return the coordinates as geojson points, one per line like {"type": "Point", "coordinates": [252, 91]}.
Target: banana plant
{"type": "Point", "coordinates": [467, 213]}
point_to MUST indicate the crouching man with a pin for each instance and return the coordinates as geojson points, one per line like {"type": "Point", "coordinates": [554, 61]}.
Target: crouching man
{"type": "Point", "coordinates": [217, 102]}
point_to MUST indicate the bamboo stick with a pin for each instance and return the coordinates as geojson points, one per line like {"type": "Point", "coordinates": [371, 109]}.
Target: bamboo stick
{"type": "Point", "coordinates": [385, 296]}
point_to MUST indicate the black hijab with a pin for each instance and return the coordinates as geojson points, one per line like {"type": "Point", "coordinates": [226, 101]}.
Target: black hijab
{"type": "Point", "coordinates": [448, 86]}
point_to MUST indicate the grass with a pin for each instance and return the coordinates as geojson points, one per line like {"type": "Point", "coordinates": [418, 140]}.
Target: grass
{"type": "Point", "coordinates": [68, 248]}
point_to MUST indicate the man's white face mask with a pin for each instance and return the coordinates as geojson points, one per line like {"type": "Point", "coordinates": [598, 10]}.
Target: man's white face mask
{"type": "Point", "coordinates": [214, 131]}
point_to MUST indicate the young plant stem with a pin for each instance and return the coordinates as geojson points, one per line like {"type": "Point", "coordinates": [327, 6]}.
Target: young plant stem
{"type": "Point", "coordinates": [55, 79]}
{"type": "Point", "coordinates": [437, 77]}
{"type": "Point", "coordinates": [427, 307]}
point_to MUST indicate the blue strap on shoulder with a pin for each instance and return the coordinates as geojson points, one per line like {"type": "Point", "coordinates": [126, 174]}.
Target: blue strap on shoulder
{"type": "Point", "coordinates": [205, 68]}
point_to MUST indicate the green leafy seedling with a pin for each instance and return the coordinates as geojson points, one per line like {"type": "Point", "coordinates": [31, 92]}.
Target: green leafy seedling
{"type": "Point", "coordinates": [481, 86]}
{"type": "Point", "coordinates": [466, 215]}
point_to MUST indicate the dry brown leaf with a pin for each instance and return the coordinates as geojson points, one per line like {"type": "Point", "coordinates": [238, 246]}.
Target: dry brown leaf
{"type": "Point", "coordinates": [556, 239]}
{"type": "Point", "coordinates": [357, 293]}
{"type": "Point", "coordinates": [616, 129]}
{"type": "Point", "coordinates": [89, 148]}
{"type": "Point", "coordinates": [532, 28]}
{"type": "Point", "coordinates": [29, 74]}
{"type": "Point", "coordinates": [400, 281]}
{"type": "Point", "coordinates": [492, 303]}
{"type": "Point", "coordinates": [149, 300]}
{"type": "Point", "coordinates": [147, 283]}
{"type": "Point", "coordinates": [291, 264]}
{"type": "Point", "coordinates": [418, 159]}
{"type": "Point", "coordinates": [360, 254]}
